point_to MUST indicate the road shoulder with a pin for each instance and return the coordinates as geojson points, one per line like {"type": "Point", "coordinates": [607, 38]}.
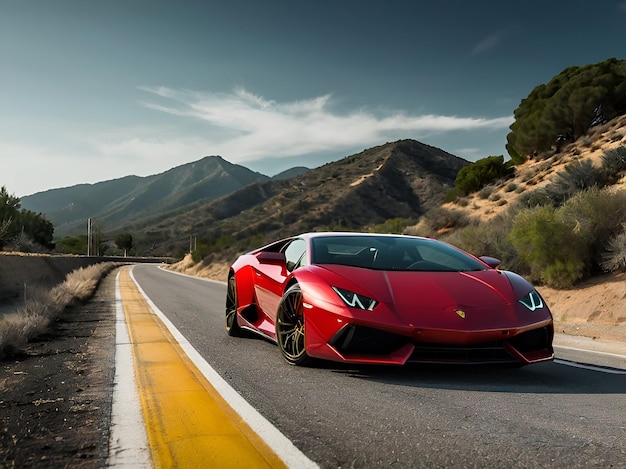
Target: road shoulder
{"type": "Point", "coordinates": [55, 397]}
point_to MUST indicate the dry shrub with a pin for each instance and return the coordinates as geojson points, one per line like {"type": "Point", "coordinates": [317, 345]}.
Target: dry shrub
{"type": "Point", "coordinates": [441, 218]}
{"type": "Point", "coordinates": [422, 228]}
{"type": "Point", "coordinates": [615, 257]}
{"type": "Point", "coordinates": [16, 329]}
{"type": "Point", "coordinates": [81, 283]}
{"type": "Point", "coordinates": [614, 163]}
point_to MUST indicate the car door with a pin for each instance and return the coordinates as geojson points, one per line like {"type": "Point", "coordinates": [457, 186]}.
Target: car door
{"type": "Point", "coordinates": [271, 279]}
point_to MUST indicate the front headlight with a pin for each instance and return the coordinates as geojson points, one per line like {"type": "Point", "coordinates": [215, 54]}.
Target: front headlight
{"type": "Point", "coordinates": [532, 300]}
{"type": "Point", "coordinates": [354, 300]}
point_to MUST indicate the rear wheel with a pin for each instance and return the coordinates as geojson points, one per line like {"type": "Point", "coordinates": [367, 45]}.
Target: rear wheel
{"type": "Point", "coordinates": [232, 327]}
{"type": "Point", "coordinates": [290, 327]}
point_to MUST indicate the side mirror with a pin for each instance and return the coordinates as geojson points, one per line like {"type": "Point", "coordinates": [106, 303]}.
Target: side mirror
{"type": "Point", "coordinates": [491, 261]}
{"type": "Point", "coordinates": [268, 257]}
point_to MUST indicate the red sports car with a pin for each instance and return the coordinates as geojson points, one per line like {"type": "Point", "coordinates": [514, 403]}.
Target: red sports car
{"type": "Point", "coordinates": [386, 299]}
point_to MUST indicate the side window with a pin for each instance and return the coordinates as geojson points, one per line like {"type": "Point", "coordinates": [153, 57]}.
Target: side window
{"type": "Point", "coordinates": [294, 253]}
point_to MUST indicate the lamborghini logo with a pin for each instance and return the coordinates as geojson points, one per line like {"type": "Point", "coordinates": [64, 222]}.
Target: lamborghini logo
{"type": "Point", "coordinates": [460, 313]}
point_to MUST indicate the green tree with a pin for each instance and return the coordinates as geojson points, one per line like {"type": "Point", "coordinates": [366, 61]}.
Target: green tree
{"type": "Point", "coordinates": [15, 221]}
{"type": "Point", "coordinates": [475, 176]}
{"type": "Point", "coordinates": [9, 211]}
{"type": "Point", "coordinates": [36, 226]}
{"type": "Point", "coordinates": [124, 241]}
{"type": "Point", "coordinates": [72, 245]}
{"type": "Point", "coordinates": [566, 107]}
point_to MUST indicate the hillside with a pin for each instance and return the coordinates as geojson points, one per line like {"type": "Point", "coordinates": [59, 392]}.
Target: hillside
{"type": "Point", "coordinates": [116, 202]}
{"type": "Point", "coordinates": [401, 179]}
{"type": "Point", "coordinates": [535, 173]}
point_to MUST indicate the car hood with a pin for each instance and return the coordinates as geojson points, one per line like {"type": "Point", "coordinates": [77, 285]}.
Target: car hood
{"type": "Point", "coordinates": [429, 289]}
{"type": "Point", "coordinates": [483, 299]}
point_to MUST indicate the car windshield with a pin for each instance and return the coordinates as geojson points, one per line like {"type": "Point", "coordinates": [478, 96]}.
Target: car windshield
{"type": "Point", "coordinates": [392, 253]}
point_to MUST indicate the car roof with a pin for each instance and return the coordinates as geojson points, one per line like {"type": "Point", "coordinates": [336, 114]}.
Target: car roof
{"type": "Point", "coordinates": [325, 234]}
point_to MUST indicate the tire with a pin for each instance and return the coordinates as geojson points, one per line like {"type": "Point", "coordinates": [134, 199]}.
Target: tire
{"type": "Point", "coordinates": [232, 327]}
{"type": "Point", "coordinates": [290, 333]}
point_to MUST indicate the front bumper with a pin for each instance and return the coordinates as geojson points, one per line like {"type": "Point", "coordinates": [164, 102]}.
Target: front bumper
{"type": "Point", "coordinates": [359, 344]}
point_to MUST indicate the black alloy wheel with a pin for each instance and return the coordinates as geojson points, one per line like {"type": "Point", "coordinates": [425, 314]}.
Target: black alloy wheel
{"type": "Point", "coordinates": [232, 327]}
{"type": "Point", "coordinates": [290, 333]}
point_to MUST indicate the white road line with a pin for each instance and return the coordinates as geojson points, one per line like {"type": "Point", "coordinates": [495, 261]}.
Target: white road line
{"type": "Point", "coordinates": [191, 276]}
{"type": "Point", "coordinates": [281, 445]}
{"type": "Point", "coordinates": [613, 371]}
{"type": "Point", "coordinates": [598, 352]}
{"type": "Point", "coordinates": [128, 444]}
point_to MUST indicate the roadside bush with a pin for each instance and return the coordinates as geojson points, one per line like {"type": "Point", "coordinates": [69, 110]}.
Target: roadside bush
{"type": "Point", "coordinates": [595, 216]}
{"type": "Point", "coordinates": [477, 175]}
{"type": "Point", "coordinates": [552, 250]}
{"type": "Point", "coordinates": [563, 245]}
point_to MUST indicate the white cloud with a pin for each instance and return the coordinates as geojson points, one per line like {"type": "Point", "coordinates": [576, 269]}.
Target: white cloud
{"type": "Point", "coordinates": [488, 43]}
{"type": "Point", "coordinates": [239, 126]}
{"type": "Point", "coordinates": [256, 127]}
{"type": "Point", "coordinates": [471, 151]}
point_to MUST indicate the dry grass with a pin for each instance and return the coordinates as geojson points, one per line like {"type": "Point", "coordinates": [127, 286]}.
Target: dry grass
{"type": "Point", "coordinates": [214, 271]}
{"type": "Point", "coordinates": [42, 306]}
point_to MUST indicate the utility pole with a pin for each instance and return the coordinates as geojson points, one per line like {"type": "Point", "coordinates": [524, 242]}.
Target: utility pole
{"type": "Point", "coordinates": [89, 236]}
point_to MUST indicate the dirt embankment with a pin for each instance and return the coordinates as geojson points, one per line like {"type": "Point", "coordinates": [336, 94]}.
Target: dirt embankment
{"type": "Point", "coordinates": [595, 308]}
{"type": "Point", "coordinates": [19, 272]}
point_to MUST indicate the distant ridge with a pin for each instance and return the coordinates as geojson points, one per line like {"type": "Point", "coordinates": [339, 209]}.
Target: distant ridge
{"type": "Point", "coordinates": [212, 198]}
{"type": "Point", "coordinates": [399, 179]}
{"type": "Point", "coordinates": [290, 173]}
{"type": "Point", "coordinates": [118, 202]}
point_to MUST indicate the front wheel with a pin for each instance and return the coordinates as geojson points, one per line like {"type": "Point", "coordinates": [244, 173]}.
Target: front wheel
{"type": "Point", "coordinates": [290, 327]}
{"type": "Point", "coordinates": [232, 327]}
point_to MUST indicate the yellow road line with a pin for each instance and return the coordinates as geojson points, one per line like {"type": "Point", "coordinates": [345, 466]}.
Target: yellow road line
{"type": "Point", "coordinates": [188, 423]}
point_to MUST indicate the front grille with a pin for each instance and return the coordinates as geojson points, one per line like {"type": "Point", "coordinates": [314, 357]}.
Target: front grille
{"type": "Point", "coordinates": [491, 352]}
{"type": "Point", "coordinates": [353, 340]}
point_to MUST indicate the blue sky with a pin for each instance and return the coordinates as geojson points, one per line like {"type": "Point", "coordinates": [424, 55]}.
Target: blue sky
{"type": "Point", "coordinates": [96, 90]}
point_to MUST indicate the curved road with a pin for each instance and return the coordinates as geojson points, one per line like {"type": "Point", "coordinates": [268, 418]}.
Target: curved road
{"type": "Point", "coordinates": [550, 415]}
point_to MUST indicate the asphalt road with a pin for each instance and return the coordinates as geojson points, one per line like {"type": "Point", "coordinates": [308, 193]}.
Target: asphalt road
{"type": "Point", "coordinates": [548, 415]}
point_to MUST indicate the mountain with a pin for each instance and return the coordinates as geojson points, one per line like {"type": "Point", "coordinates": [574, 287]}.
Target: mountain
{"type": "Point", "coordinates": [399, 179]}
{"type": "Point", "coordinates": [290, 173]}
{"type": "Point", "coordinates": [118, 202]}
